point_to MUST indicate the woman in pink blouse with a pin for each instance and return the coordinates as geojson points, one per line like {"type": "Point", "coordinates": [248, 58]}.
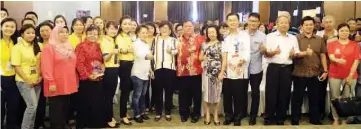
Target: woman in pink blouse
{"type": "Point", "coordinates": [58, 69]}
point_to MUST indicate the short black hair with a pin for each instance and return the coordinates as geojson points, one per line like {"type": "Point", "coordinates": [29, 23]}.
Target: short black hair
{"type": "Point", "coordinates": [31, 12]}
{"type": "Point", "coordinates": [223, 25]}
{"type": "Point", "coordinates": [204, 27]}
{"type": "Point", "coordinates": [232, 14]}
{"type": "Point", "coordinates": [36, 46]}
{"type": "Point", "coordinates": [91, 28]}
{"type": "Point", "coordinates": [22, 21]}
{"type": "Point", "coordinates": [185, 21]}
{"type": "Point", "coordinates": [61, 16]}
{"type": "Point", "coordinates": [139, 28]}
{"type": "Point", "coordinates": [256, 15]}
{"type": "Point", "coordinates": [358, 19]}
{"type": "Point", "coordinates": [167, 23]}
{"type": "Point", "coordinates": [5, 10]}
{"type": "Point", "coordinates": [342, 25]}
{"type": "Point", "coordinates": [152, 25]}
{"type": "Point", "coordinates": [219, 36]}
{"type": "Point", "coordinates": [178, 25]}
{"type": "Point", "coordinates": [85, 18]}
{"type": "Point", "coordinates": [307, 18]}
{"type": "Point", "coordinates": [37, 32]}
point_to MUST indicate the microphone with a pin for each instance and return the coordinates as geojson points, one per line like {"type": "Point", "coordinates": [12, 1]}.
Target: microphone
{"type": "Point", "coordinates": [116, 55]}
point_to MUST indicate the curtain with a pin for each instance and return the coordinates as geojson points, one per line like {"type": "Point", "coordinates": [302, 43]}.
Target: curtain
{"type": "Point", "coordinates": [146, 8]}
{"type": "Point", "coordinates": [242, 6]}
{"type": "Point", "coordinates": [210, 10]}
{"type": "Point", "coordinates": [288, 6]}
{"type": "Point", "coordinates": [180, 10]}
{"type": "Point", "coordinates": [305, 5]}
{"type": "Point", "coordinates": [129, 8]}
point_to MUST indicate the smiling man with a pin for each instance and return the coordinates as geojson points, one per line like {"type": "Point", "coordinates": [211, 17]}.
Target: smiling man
{"type": "Point", "coordinates": [307, 71]}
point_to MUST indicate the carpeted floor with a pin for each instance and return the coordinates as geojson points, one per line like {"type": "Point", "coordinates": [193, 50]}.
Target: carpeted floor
{"type": "Point", "coordinates": [177, 124]}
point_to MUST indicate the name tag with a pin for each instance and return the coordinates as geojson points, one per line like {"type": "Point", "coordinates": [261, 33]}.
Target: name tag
{"type": "Point", "coordinates": [32, 70]}
{"type": "Point", "coordinates": [9, 67]}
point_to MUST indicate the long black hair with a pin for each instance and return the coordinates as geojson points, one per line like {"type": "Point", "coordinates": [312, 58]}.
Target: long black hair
{"type": "Point", "coordinates": [152, 25]}
{"type": "Point", "coordinates": [219, 36]}
{"type": "Point", "coordinates": [61, 16]}
{"type": "Point", "coordinates": [73, 23]}
{"type": "Point", "coordinates": [121, 20]}
{"type": "Point", "coordinates": [37, 32]}
{"type": "Point", "coordinates": [15, 35]}
{"type": "Point", "coordinates": [36, 46]}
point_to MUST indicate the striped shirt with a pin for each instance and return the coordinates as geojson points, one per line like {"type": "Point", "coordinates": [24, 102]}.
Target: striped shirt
{"type": "Point", "coordinates": [162, 58]}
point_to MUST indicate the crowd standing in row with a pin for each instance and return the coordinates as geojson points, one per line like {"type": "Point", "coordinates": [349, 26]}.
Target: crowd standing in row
{"type": "Point", "coordinates": [77, 68]}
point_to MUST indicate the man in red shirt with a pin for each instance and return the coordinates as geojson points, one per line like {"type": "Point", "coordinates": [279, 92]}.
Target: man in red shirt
{"type": "Point", "coordinates": [189, 71]}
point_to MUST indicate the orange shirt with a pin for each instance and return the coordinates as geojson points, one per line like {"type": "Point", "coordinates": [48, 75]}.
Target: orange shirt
{"type": "Point", "coordinates": [58, 70]}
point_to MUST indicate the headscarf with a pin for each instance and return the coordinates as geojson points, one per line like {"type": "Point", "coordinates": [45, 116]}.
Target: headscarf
{"type": "Point", "coordinates": [63, 48]}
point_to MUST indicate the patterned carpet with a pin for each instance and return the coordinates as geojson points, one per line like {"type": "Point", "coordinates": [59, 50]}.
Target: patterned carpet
{"type": "Point", "coordinates": [253, 127]}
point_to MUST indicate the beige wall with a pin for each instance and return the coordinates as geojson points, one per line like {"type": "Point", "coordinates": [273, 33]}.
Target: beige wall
{"type": "Point", "coordinates": [111, 10]}
{"type": "Point", "coordinates": [17, 13]}
{"type": "Point", "coordinates": [160, 10]}
{"type": "Point", "coordinates": [341, 10]}
{"type": "Point", "coordinates": [358, 9]}
{"type": "Point", "coordinates": [264, 7]}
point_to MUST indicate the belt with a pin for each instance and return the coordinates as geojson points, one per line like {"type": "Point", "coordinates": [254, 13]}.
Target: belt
{"type": "Point", "coordinates": [281, 65]}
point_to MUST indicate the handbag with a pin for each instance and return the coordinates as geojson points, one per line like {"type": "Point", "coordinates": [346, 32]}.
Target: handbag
{"type": "Point", "coordinates": [349, 106]}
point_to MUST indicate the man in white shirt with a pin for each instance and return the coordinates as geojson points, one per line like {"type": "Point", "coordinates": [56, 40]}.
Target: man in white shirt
{"type": "Point", "coordinates": [235, 84]}
{"type": "Point", "coordinates": [280, 48]}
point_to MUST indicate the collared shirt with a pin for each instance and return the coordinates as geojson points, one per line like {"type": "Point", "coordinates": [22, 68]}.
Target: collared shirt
{"type": "Point", "coordinates": [285, 43]}
{"type": "Point", "coordinates": [22, 54]}
{"type": "Point", "coordinates": [141, 66]}
{"type": "Point", "coordinates": [310, 66]}
{"type": "Point", "coordinates": [349, 52]}
{"type": "Point", "coordinates": [89, 59]}
{"type": "Point", "coordinates": [329, 39]}
{"type": "Point", "coordinates": [163, 59]}
{"type": "Point", "coordinates": [107, 46]}
{"type": "Point", "coordinates": [238, 47]}
{"type": "Point", "coordinates": [188, 63]}
{"type": "Point", "coordinates": [74, 40]}
{"type": "Point", "coordinates": [125, 42]}
{"type": "Point", "coordinates": [257, 39]}
{"type": "Point", "coordinates": [6, 68]}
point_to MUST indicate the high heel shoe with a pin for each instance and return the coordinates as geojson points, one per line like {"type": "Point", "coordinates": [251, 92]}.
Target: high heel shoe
{"type": "Point", "coordinates": [207, 123]}
{"type": "Point", "coordinates": [115, 126]}
{"type": "Point", "coordinates": [129, 123]}
{"type": "Point", "coordinates": [217, 123]}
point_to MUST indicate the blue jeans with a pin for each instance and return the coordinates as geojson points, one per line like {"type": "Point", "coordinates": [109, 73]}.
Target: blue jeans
{"type": "Point", "coordinates": [138, 101]}
{"type": "Point", "coordinates": [31, 98]}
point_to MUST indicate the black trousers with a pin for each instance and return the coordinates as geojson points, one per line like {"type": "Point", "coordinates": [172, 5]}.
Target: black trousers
{"type": "Point", "coordinates": [40, 111]}
{"type": "Point", "coordinates": [90, 104]}
{"type": "Point", "coordinates": [255, 81]}
{"type": "Point", "coordinates": [322, 90]}
{"type": "Point", "coordinates": [164, 80]}
{"type": "Point", "coordinates": [58, 109]}
{"type": "Point", "coordinates": [235, 98]}
{"type": "Point", "coordinates": [299, 87]}
{"type": "Point", "coordinates": [10, 99]}
{"type": "Point", "coordinates": [110, 83]}
{"type": "Point", "coordinates": [73, 105]}
{"type": "Point", "coordinates": [190, 90]}
{"type": "Point", "coordinates": [125, 68]}
{"type": "Point", "coordinates": [278, 90]}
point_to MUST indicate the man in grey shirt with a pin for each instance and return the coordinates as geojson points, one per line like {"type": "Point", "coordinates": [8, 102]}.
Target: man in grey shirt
{"type": "Point", "coordinates": [256, 71]}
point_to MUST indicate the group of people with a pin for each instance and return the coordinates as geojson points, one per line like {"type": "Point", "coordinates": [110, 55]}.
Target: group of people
{"type": "Point", "coordinates": [77, 69]}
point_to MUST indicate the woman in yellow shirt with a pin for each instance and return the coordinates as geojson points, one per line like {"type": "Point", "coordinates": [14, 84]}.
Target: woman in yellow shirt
{"type": "Point", "coordinates": [10, 95]}
{"type": "Point", "coordinates": [25, 57]}
{"type": "Point", "coordinates": [126, 58]}
{"type": "Point", "coordinates": [99, 22]}
{"type": "Point", "coordinates": [77, 29]}
{"type": "Point", "coordinates": [133, 27]}
{"type": "Point", "coordinates": [110, 79]}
